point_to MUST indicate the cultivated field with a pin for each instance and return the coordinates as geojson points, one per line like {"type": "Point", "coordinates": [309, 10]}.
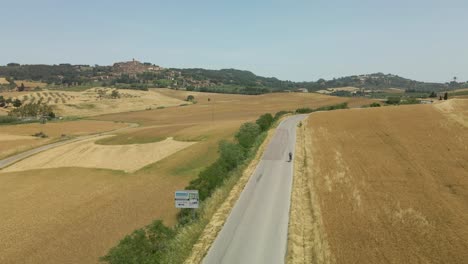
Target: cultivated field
{"type": "Point", "coordinates": [87, 154]}
{"type": "Point", "coordinates": [383, 185]}
{"type": "Point", "coordinates": [75, 214]}
{"type": "Point", "coordinates": [17, 138]}
{"type": "Point", "coordinates": [95, 101]}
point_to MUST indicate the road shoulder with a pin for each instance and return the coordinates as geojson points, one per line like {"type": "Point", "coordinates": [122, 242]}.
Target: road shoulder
{"type": "Point", "coordinates": [307, 241]}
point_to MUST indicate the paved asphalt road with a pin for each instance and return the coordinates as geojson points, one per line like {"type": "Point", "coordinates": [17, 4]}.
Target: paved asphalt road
{"type": "Point", "coordinates": [256, 230]}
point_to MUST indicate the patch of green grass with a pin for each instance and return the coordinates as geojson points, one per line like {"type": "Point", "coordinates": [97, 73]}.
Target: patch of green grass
{"type": "Point", "coordinates": [459, 93]}
{"type": "Point", "coordinates": [78, 88]}
{"type": "Point", "coordinates": [82, 106]}
{"type": "Point", "coordinates": [10, 120]}
{"type": "Point", "coordinates": [126, 139]}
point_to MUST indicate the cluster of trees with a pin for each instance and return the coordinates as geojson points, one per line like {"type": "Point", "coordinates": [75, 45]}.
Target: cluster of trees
{"type": "Point", "coordinates": [33, 110]}
{"type": "Point", "coordinates": [306, 110]}
{"type": "Point", "coordinates": [235, 77]}
{"type": "Point", "coordinates": [5, 102]}
{"type": "Point", "coordinates": [144, 246]}
{"type": "Point", "coordinates": [151, 243]}
{"type": "Point", "coordinates": [232, 89]}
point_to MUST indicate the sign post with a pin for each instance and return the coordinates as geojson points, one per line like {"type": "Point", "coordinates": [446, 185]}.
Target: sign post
{"type": "Point", "coordinates": [187, 199]}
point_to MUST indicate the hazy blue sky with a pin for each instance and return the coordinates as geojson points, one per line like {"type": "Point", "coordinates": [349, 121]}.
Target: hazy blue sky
{"type": "Point", "coordinates": [296, 40]}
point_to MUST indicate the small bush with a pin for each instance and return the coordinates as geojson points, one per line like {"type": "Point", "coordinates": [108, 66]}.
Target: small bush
{"type": "Point", "coordinates": [304, 110]}
{"type": "Point", "coordinates": [40, 135]}
{"type": "Point", "coordinates": [375, 104]}
{"type": "Point", "coordinates": [333, 107]}
{"type": "Point", "coordinates": [394, 100]}
{"type": "Point", "coordinates": [280, 114]}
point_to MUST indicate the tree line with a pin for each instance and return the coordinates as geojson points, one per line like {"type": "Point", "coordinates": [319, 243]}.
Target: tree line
{"type": "Point", "coordinates": [224, 80]}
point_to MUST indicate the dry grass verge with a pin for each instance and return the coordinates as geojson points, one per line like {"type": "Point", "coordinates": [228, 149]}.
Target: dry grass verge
{"type": "Point", "coordinates": [307, 241]}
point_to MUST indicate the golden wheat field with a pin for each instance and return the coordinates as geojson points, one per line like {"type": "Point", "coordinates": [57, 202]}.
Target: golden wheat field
{"type": "Point", "coordinates": [383, 185]}
{"type": "Point", "coordinates": [74, 214]}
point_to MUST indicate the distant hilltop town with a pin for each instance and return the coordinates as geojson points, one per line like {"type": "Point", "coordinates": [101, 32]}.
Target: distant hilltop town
{"type": "Point", "coordinates": [134, 67]}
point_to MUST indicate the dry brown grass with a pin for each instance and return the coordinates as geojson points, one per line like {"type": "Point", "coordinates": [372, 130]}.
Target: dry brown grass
{"type": "Point", "coordinates": [30, 84]}
{"type": "Point", "coordinates": [391, 183]}
{"type": "Point", "coordinates": [74, 215]}
{"type": "Point", "coordinates": [307, 241]}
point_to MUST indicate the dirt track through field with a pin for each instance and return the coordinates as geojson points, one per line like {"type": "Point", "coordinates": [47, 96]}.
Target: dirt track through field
{"type": "Point", "coordinates": [391, 183]}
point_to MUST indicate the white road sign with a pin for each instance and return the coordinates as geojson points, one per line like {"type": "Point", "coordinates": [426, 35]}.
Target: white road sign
{"type": "Point", "coordinates": [186, 199]}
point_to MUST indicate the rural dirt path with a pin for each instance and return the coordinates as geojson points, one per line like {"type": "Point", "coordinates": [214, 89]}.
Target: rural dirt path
{"type": "Point", "coordinates": [256, 231]}
{"type": "Point", "coordinates": [15, 158]}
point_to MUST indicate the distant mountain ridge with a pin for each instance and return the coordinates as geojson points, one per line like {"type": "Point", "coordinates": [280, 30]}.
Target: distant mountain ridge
{"type": "Point", "coordinates": [136, 74]}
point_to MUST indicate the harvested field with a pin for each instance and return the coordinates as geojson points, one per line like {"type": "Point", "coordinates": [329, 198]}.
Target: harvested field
{"type": "Point", "coordinates": [7, 137]}
{"type": "Point", "coordinates": [87, 154]}
{"type": "Point", "coordinates": [391, 184]}
{"type": "Point", "coordinates": [74, 215]}
{"type": "Point", "coordinates": [455, 109]}
{"type": "Point", "coordinates": [17, 138]}
{"type": "Point", "coordinates": [228, 107]}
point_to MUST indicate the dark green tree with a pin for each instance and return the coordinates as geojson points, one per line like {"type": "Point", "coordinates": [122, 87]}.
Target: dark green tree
{"type": "Point", "coordinates": [16, 103]}
{"type": "Point", "coordinates": [21, 88]}
{"type": "Point", "coordinates": [247, 134]}
{"type": "Point", "coordinates": [265, 121]}
{"type": "Point", "coordinates": [231, 154]}
{"type": "Point", "coordinates": [115, 94]}
{"type": "Point", "coordinates": [445, 96]}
